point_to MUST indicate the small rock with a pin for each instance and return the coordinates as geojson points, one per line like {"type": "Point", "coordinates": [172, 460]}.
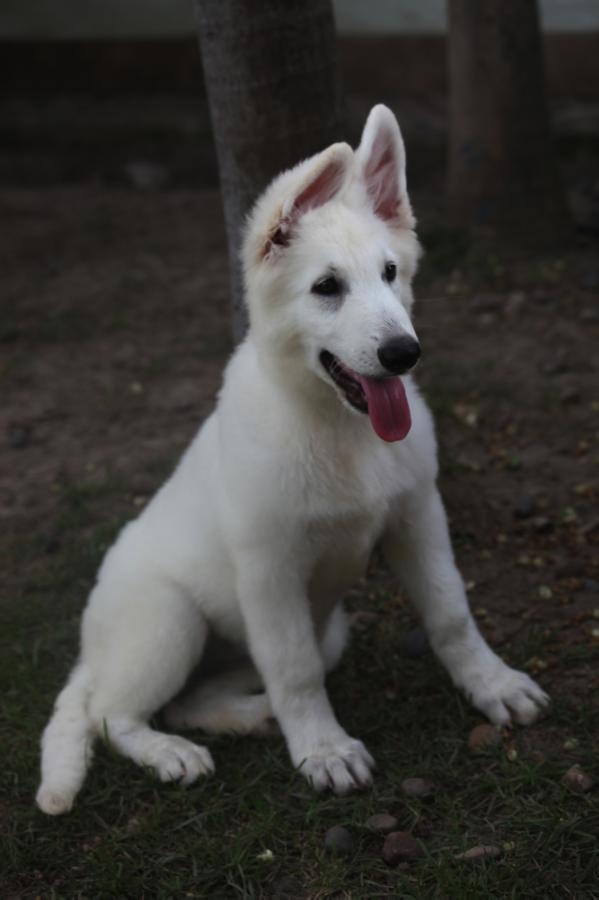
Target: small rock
{"type": "Point", "coordinates": [484, 851]}
{"type": "Point", "coordinates": [18, 436]}
{"type": "Point", "coordinates": [589, 315]}
{"type": "Point", "coordinates": [542, 525]}
{"type": "Point", "coordinates": [146, 176]}
{"type": "Point", "coordinates": [589, 280]}
{"type": "Point", "coordinates": [487, 303]}
{"type": "Point", "coordinates": [482, 737]}
{"type": "Point", "coordinates": [417, 787]}
{"type": "Point", "coordinates": [569, 395]}
{"type": "Point", "coordinates": [338, 841]}
{"type": "Point", "coordinates": [524, 508]}
{"type": "Point", "coordinates": [52, 544]}
{"type": "Point", "coordinates": [287, 888]}
{"type": "Point", "coordinates": [414, 643]}
{"type": "Point", "coordinates": [382, 822]}
{"type": "Point", "coordinates": [362, 619]}
{"type": "Point", "coordinates": [555, 367]}
{"type": "Point", "coordinates": [542, 297]}
{"type": "Point", "coordinates": [576, 780]}
{"type": "Point", "coordinates": [571, 568]}
{"type": "Point", "coordinates": [516, 302]}
{"type": "Point", "coordinates": [400, 847]}
{"type": "Point", "coordinates": [423, 828]}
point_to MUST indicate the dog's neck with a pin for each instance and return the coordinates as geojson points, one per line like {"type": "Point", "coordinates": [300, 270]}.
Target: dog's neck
{"type": "Point", "coordinates": [286, 371]}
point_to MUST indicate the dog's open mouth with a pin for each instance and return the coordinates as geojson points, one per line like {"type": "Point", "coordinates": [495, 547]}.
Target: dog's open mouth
{"type": "Point", "coordinates": [384, 399]}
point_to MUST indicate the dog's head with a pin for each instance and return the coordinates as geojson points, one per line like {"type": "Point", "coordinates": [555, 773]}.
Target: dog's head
{"type": "Point", "coordinates": [329, 257]}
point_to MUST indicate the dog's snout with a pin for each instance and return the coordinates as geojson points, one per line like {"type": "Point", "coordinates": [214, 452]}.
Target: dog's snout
{"type": "Point", "coordinates": [399, 354]}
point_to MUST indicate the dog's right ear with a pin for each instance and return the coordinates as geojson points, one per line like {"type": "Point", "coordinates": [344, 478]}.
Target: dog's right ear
{"type": "Point", "coordinates": [325, 179]}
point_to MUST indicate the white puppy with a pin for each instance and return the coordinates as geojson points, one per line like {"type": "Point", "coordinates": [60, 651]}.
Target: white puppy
{"type": "Point", "coordinates": [319, 447]}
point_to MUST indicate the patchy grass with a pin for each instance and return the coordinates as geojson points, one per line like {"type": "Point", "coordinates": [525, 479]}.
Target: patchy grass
{"type": "Point", "coordinates": [130, 836]}
{"type": "Point", "coordinates": [94, 448]}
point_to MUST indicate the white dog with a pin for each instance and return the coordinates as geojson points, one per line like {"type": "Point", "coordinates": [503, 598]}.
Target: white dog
{"type": "Point", "coordinates": [319, 447]}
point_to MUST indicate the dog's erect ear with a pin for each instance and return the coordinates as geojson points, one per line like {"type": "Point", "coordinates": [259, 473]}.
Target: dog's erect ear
{"type": "Point", "coordinates": [323, 181]}
{"type": "Point", "coordinates": [381, 159]}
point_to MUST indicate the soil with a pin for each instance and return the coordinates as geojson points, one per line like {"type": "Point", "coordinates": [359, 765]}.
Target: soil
{"type": "Point", "coordinates": [115, 331]}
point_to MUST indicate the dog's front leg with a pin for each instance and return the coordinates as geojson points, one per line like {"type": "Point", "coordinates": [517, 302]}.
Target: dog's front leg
{"type": "Point", "coordinates": [418, 548]}
{"type": "Point", "coordinates": [283, 645]}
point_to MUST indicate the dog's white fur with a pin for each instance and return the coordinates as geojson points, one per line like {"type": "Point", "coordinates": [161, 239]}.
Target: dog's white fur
{"type": "Point", "coordinates": [274, 510]}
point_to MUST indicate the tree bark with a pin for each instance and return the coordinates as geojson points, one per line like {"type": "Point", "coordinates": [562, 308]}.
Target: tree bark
{"type": "Point", "coordinates": [271, 79]}
{"type": "Point", "coordinates": [502, 168]}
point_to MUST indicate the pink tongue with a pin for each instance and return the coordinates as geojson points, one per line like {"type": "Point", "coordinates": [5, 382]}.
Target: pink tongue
{"type": "Point", "coordinates": [387, 407]}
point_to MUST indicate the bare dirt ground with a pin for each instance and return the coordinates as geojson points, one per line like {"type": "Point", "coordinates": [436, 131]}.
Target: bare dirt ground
{"type": "Point", "coordinates": [113, 335]}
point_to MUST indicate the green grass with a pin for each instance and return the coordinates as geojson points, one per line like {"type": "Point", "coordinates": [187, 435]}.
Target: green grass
{"type": "Point", "coordinates": [130, 836]}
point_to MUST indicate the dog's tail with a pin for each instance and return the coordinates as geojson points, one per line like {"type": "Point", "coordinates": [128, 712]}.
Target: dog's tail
{"type": "Point", "coordinates": [66, 746]}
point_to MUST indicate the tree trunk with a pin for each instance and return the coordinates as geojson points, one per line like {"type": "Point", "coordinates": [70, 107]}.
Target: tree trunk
{"type": "Point", "coordinates": [502, 169]}
{"type": "Point", "coordinates": [271, 80]}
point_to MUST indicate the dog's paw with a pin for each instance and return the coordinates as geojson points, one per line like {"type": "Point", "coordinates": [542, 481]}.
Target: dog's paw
{"type": "Point", "coordinates": [174, 758]}
{"type": "Point", "coordinates": [505, 695]}
{"type": "Point", "coordinates": [343, 767]}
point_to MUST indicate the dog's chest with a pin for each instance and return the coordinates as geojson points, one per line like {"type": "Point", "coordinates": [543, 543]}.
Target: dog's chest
{"type": "Point", "coordinates": [350, 496]}
{"type": "Point", "coordinates": [341, 549]}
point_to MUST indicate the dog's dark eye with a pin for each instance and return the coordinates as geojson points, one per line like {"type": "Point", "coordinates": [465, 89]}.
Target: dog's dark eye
{"type": "Point", "coordinates": [327, 287]}
{"type": "Point", "coordinates": [390, 272]}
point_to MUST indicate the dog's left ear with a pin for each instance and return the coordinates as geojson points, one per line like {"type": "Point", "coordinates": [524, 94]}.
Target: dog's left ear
{"type": "Point", "coordinates": [381, 161]}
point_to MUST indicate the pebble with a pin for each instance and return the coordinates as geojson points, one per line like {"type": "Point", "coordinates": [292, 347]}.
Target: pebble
{"type": "Point", "coordinates": [576, 780]}
{"type": "Point", "coordinates": [338, 841]}
{"type": "Point", "coordinates": [287, 888]}
{"type": "Point", "coordinates": [400, 847]}
{"type": "Point", "coordinates": [52, 544]}
{"type": "Point", "coordinates": [482, 737]}
{"type": "Point", "coordinates": [542, 525]}
{"type": "Point", "coordinates": [542, 297]}
{"type": "Point", "coordinates": [484, 851]}
{"type": "Point", "coordinates": [524, 508]}
{"type": "Point", "coordinates": [423, 828]}
{"type": "Point", "coordinates": [589, 280]}
{"type": "Point", "coordinates": [487, 303]}
{"type": "Point", "coordinates": [414, 643]}
{"type": "Point", "coordinates": [570, 569]}
{"type": "Point", "coordinates": [570, 395]}
{"type": "Point", "coordinates": [18, 436]}
{"type": "Point", "coordinates": [516, 302]}
{"type": "Point", "coordinates": [417, 787]}
{"type": "Point", "coordinates": [556, 366]}
{"type": "Point", "coordinates": [382, 822]}
{"type": "Point", "coordinates": [146, 176]}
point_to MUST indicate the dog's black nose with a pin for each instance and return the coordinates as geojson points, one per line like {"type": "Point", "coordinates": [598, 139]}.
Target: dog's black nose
{"type": "Point", "coordinates": [399, 354]}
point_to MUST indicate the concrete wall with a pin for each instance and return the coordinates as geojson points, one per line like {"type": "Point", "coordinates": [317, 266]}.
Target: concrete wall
{"type": "Point", "coordinates": [76, 19]}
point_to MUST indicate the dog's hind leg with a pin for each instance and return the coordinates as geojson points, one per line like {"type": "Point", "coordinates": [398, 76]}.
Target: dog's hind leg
{"type": "Point", "coordinates": [231, 703]}
{"type": "Point", "coordinates": [335, 637]}
{"type": "Point", "coordinates": [235, 702]}
{"type": "Point", "coordinates": [140, 658]}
